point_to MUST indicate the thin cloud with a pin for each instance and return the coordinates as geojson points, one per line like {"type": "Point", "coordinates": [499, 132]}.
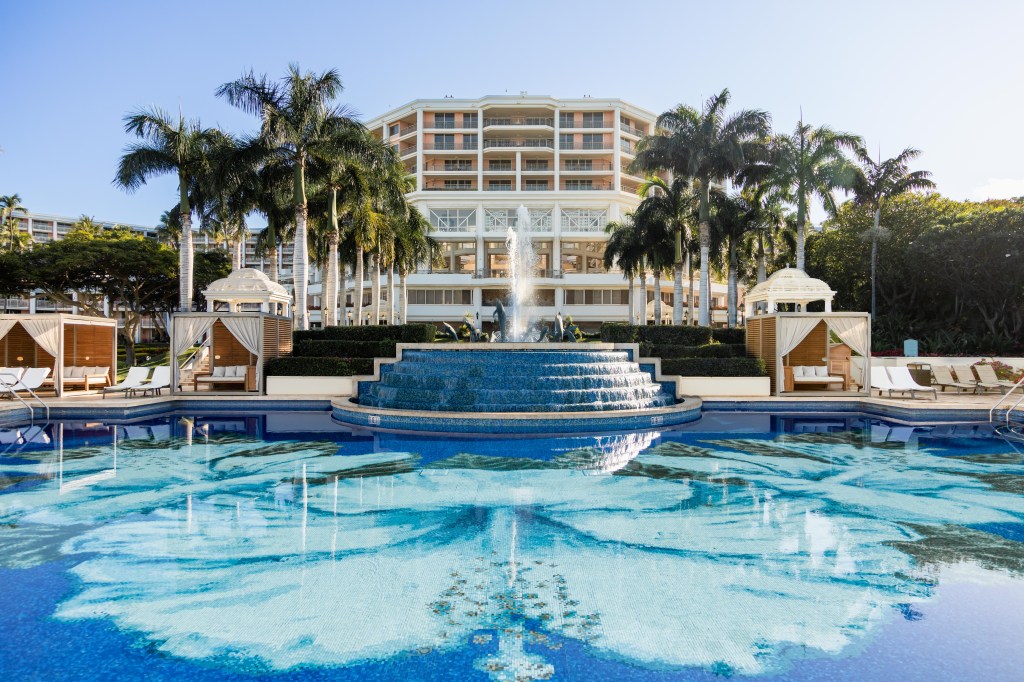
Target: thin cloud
{"type": "Point", "coordinates": [999, 188]}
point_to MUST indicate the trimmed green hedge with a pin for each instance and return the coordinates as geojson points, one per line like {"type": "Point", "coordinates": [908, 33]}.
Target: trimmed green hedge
{"type": "Point", "coordinates": [710, 350]}
{"type": "Point", "coordinates": [618, 332]}
{"type": "Point", "coordinates": [333, 348]}
{"type": "Point", "coordinates": [401, 333]}
{"type": "Point", "coordinates": [737, 336]}
{"type": "Point", "coordinates": [658, 335]}
{"type": "Point", "coordinates": [313, 367]}
{"type": "Point", "coordinates": [715, 367]}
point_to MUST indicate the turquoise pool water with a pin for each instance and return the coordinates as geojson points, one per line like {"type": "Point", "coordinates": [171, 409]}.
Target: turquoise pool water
{"type": "Point", "coordinates": [280, 546]}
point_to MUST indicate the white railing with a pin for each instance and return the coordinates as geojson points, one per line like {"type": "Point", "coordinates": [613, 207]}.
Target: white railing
{"type": "Point", "coordinates": [519, 121]}
{"type": "Point", "coordinates": [504, 144]}
{"type": "Point", "coordinates": [1006, 397]}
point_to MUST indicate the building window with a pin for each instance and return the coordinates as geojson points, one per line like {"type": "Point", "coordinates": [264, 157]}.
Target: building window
{"type": "Point", "coordinates": [469, 120]}
{"type": "Point", "coordinates": [393, 130]}
{"type": "Point", "coordinates": [500, 165]}
{"type": "Point", "coordinates": [500, 185]}
{"type": "Point", "coordinates": [579, 164]}
{"type": "Point", "coordinates": [566, 141]}
{"type": "Point", "coordinates": [453, 219]}
{"type": "Point", "coordinates": [584, 219]}
{"type": "Point", "coordinates": [596, 297]}
{"type": "Point", "coordinates": [536, 165]}
{"type": "Point", "coordinates": [593, 141]}
{"type": "Point", "coordinates": [579, 184]}
{"type": "Point", "coordinates": [458, 165]}
{"type": "Point", "coordinates": [593, 119]}
{"type": "Point", "coordinates": [458, 184]}
{"type": "Point", "coordinates": [566, 120]}
{"type": "Point", "coordinates": [444, 142]}
{"type": "Point", "coordinates": [536, 186]}
{"type": "Point", "coordinates": [444, 120]}
{"type": "Point", "coordinates": [441, 297]}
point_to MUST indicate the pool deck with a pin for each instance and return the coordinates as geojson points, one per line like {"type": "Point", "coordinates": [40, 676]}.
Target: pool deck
{"type": "Point", "coordinates": [948, 407]}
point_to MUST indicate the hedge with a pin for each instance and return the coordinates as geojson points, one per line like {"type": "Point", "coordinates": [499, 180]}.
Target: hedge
{"type": "Point", "coordinates": [657, 335]}
{"type": "Point", "coordinates": [317, 367]}
{"type": "Point", "coordinates": [618, 332]}
{"type": "Point", "coordinates": [401, 333]}
{"type": "Point", "coordinates": [736, 335]}
{"type": "Point", "coordinates": [333, 348]}
{"type": "Point", "coordinates": [715, 367]}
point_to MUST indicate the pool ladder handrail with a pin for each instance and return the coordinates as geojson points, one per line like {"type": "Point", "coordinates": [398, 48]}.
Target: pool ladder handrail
{"type": "Point", "coordinates": [1006, 396]}
{"type": "Point", "coordinates": [31, 410]}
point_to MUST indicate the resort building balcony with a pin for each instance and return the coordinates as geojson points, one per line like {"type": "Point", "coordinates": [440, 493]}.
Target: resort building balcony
{"type": "Point", "coordinates": [540, 122]}
{"type": "Point", "coordinates": [451, 166]}
{"type": "Point", "coordinates": [627, 129]}
{"type": "Point", "coordinates": [528, 143]}
{"type": "Point", "coordinates": [450, 146]}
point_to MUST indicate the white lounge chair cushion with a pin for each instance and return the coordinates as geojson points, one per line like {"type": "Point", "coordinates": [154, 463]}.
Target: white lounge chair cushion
{"type": "Point", "coordinates": [77, 372]}
{"type": "Point", "coordinates": [798, 371]}
{"type": "Point", "coordinates": [219, 371]}
{"type": "Point", "coordinates": [821, 371]}
{"type": "Point", "coordinates": [238, 371]}
{"type": "Point", "coordinates": [818, 380]}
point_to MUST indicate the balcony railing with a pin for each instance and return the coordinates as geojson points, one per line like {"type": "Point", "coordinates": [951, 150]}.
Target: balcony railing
{"type": "Point", "coordinates": [449, 188]}
{"type": "Point", "coordinates": [442, 125]}
{"type": "Point", "coordinates": [450, 146]}
{"type": "Point", "coordinates": [626, 128]}
{"type": "Point", "coordinates": [572, 166]}
{"type": "Point", "coordinates": [407, 129]}
{"type": "Point", "coordinates": [627, 147]}
{"type": "Point", "coordinates": [601, 146]}
{"type": "Point", "coordinates": [506, 144]}
{"type": "Point", "coordinates": [527, 187]}
{"type": "Point", "coordinates": [439, 168]}
{"type": "Point", "coordinates": [407, 151]}
{"type": "Point", "coordinates": [519, 121]}
{"type": "Point", "coordinates": [500, 188]}
{"type": "Point", "coordinates": [594, 187]}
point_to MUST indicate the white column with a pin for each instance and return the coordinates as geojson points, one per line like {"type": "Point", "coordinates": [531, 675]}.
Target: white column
{"type": "Point", "coordinates": [32, 303]}
{"type": "Point", "coordinates": [419, 150]}
{"type": "Point", "coordinates": [480, 149]}
{"type": "Point", "coordinates": [558, 128]}
{"type": "Point", "coordinates": [556, 243]}
{"type": "Point", "coordinates": [616, 151]}
{"type": "Point", "coordinates": [53, 234]}
{"type": "Point", "coordinates": [519, 171]}
{"type": "Point", "coordinates": [480, 252]}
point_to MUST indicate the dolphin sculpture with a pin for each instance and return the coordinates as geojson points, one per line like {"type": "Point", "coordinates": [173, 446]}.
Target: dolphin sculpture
{"type": "Point", "coordinates": [499, 317]}
{"type": "Point", "coordinates": [450, 332]}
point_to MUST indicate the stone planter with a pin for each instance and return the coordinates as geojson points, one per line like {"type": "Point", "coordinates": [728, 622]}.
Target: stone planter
{"type": "Point", "coordinates": [725, 386]}
{"type": "Point", "coordinates": [326, 386]}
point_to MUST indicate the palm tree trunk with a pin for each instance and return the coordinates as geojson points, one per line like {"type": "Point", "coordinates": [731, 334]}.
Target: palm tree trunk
{"type": "Point", "coordinates": [359, 285]}
{"type": "Point", "coordinates": [689, 269]}
{"type": "Point", "coordinates": [404, 307]}
{"type": "Point", "coordinates": [801, 218]}
{"type": "Point", "coordinates": [874, 260]}
{"type": "Point", "coordinates": [342, 303]}
{"type": "Point", "coordinates": [733, 295]}
{"type": "Point", "coordinates": [375, 288]}
{"type": "Point", "coordinates": [761, 272]}
{"type": "Point", "coordinates": [300, 267]}
{"type": "Point", "coordinates": [272, 258]}
{"type": "Point", "coordinates": [392, 306]}
{"type": "Point", "coordinates": [185, 255]}
{"type": "Point", "coordinates": [330, 298]}
{"type": "Point", "coordinates": [677, 293]}
{"type": "Point", "coordinates": [704, 316]}
{"type": "Point", "coordinates": [630, 296]}
{"type": "Point", "coordinates": [657, 297]}
{"type": "Point", "coordinates": [643, 297]}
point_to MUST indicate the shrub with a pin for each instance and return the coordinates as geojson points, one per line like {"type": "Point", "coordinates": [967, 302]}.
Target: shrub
{"type": "Point", "coordinates": [737, 335]}
{"type": "Point", "coordinates": [332, 348]}
{"type": "Point", "coordinates": [314, 367]}
{"type": "Point", "coordinates": [683, 335]}
{"type": "Point", "coordinates": [618, 332]}
{"type": "Point", "coordinates": [401, 333]}
{"type": "Point", "coordinates": [715, 367]}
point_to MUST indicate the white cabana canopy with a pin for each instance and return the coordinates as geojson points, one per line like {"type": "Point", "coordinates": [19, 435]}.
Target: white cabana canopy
{"type": "Point", "coordinates": [248, 285]}
{"type": "Point", "coordinates": [56, 336]}
{"type": "Point", "coordinates": [788, 285]}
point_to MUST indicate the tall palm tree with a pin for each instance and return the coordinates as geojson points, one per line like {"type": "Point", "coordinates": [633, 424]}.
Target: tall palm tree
{"type": "Point", "coordinates": [769, 229]}
{"type": "Point", "coordinates": [810, 163]}
{"type": "Point", "coordinates": [16, 240]}
{"type": "Point", "coordinates": [709, 148]}
{"type": "Point", "coordinates": [675, 205]}
{"type": "Point", "coordinates": [299, 120]}
{"type": "Point", "coordinates": [626, 249]}
{"type": "Point", "coordinates": [87, 225]}
{"type": "Point", "coordinates": [270, 185]}
{"type": "Point", "coordinates": [413, 247]}
{"type": "Point", "coordinates": [166, 147]}
{"type": "Point", "coordinates": [875, 182]}
{"type": "Point", "coordinates": [168, 230]}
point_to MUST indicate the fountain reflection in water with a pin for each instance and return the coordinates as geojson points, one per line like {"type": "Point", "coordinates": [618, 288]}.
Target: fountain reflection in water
{"type": "Point", "coordinates": [521, 262]}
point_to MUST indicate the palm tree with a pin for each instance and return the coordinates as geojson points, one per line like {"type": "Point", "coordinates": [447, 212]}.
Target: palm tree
{"type": "Point", "coordinates": [87, 225]}
{"type": "Point", "coordinates": [875, 182]}
{"type": "Point", "coordinates": [810, 163]}
{"type": "Point", "coordinates": [168, 230]}
{"type": "Point", "coordinates": [413, 247]}
{"type": "Point", "coordinates": [673, 204]}
{"type": "Point", "coordinates": [299, 122]}
{"type": "Point", "coordinates": [16, 240]}
{"type": "Point", "coordinates": [270, 185]}
{"type": "Point", "coordinates": [768, 230]}
{"type": "Point", "coordinates": [182, 149]}
{"type": "Point", "coordinates": [626, 249]}
{"type": "Point", "coordinates": [708, 148]}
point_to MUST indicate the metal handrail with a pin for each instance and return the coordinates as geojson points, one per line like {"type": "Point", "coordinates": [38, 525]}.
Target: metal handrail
{"type": "Point", "coordinates": [14, 394]}
{"type": "Point", "coordinates": [1007, 395]}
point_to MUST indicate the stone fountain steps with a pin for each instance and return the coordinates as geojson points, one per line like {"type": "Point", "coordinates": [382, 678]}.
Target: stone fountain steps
{"type": "Point", "coordinates": [408, 380]}
{"type": "Point", "coordinates": [590, 398]}
{"type": "Point", "coordinates": [520, 370]}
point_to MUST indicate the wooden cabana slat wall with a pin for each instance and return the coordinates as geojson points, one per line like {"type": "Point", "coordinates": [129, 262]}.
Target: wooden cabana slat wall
{"type": "Point", "coordinates": [813, 350]}
{"type": "Point", "coordinates": [761, 344]}
{"type": "Point", "coordinates": [226, 349]}
{"type": "Point", "coordinates": [277, 338]}
{"type": "Point", "coordinates": [91, 346]}
{"type": "Point", "coordinates": [18, 343]}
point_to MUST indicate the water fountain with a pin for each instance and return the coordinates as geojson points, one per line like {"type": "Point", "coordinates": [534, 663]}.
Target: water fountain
{"type": "Point", "coordinates": [519, 385]}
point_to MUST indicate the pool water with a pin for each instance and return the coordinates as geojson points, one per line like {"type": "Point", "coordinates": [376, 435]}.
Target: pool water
{"type": "Point", "coordinates": [284, 547]}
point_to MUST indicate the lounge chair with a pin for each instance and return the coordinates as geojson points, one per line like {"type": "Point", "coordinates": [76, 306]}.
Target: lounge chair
{"type": "Point", "coordinates": [136, 377]}
{"type": "Point", "coordinates": [242, 376]}
{"type": "Point", "coordinates": [964, 375]}
{"type": "Point", "coordinates": [902, 380]}
{"type": "Point", "coordinates": [87, 377]}
{"type": "Point", "coordinates": [943, 378]}
{"type": "Point", "coordinates": [811, 375]}
{"type": "Point", "coordinates": [32, 379]}
{"type": "Point", "coordinates": [880, 381]}
{"type": "Point", "coordinates": [988, 375]}
{"type": "Point", "coordinates": [10, 375]}
{"type": "Point", "coordinates": [160, 380]}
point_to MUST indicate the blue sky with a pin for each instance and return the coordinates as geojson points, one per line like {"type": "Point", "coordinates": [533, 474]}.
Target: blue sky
{"type": "Point", "coordinates": [941, 76]}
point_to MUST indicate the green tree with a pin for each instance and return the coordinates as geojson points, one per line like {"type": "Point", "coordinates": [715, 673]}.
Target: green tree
{"type": "Point", "coordinates": [299, 122]}
{"type": "Point", "coordinates": [14, 240]}
{"type": "Point", "coordinates": [875, 182]}
{"type": "Point", "coordinates": [810, 163]}
{"type": "Point", "coordinates": [710, 148]}
{"type": "Point", "coordinates": [182, 149]}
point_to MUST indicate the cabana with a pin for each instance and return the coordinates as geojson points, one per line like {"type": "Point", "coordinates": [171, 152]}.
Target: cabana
{"type": "Point", "coordinates": [80, 350]}
{"type": "Point", "coordinates": [799, 347]}
{"type": "Point", "coordinates": [247, 322]}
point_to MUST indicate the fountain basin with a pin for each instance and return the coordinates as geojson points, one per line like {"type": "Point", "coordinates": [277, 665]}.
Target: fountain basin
{"type": "Point", "coordinates": [551, 388]}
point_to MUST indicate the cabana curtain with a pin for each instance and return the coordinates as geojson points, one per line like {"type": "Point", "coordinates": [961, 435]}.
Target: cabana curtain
{"type": "Point", "coordinates": [187, 331]}
{"type": "Point", "coordinates": [6, 326]}
{"type": "Point", "coordinates": [853, 331]}
{"type": "Point", "coordinates": [46, 333]}
{"type": "Point", "coordinates": [248, 331]}
{"type": "Point", "coordinates": [791, 331]}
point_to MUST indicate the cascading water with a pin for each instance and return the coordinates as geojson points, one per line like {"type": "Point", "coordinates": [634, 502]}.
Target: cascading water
{"type": "Point", "coordinates": [521, 261]}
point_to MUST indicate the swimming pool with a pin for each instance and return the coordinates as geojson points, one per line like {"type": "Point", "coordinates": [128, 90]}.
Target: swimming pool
{"type": "Point", "coordinates": [282, 546]}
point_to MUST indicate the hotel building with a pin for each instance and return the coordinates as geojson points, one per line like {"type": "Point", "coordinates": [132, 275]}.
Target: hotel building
{"type": "Point", "coordinates": [475, 161]}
